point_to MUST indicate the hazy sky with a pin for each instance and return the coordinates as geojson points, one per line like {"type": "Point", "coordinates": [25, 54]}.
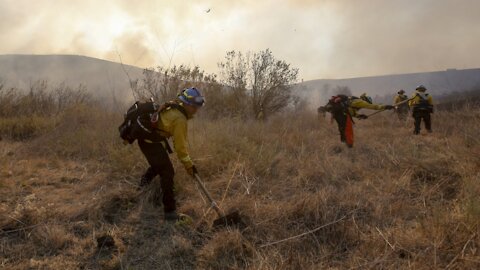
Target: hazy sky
{"type": "Point", "coordinates": [323, 38]}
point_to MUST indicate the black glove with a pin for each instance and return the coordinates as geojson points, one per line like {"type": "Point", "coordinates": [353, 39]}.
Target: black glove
{"type": "Point", "coordinates": [362, 116]}
{"type": "Point", "coordinates": [192, 171]}
{"type": "Point", "coordinates": [328, 108]}
{"type": "Point", "coordinates": [389, 107]}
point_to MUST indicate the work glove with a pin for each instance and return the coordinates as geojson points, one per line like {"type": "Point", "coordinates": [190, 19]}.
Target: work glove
{"type": "Point", "coordinates": [362, 116]}
{"type": "Point", "coordinates": [389, 107]}
{"type": "Point", "coordinates": [192, 171]}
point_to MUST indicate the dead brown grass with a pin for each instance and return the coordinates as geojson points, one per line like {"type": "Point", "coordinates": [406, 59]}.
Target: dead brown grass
{"type": "Point", "coordinates": [226, 250]}
{"type": "Point", "coordinates": [393, 201]}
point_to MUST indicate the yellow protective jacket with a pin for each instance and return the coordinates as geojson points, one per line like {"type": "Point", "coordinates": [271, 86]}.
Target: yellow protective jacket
{"type": "Point", "coordinates": [174, 124]}
{"type": "Point", "coordinates": [416, 97]}
{"type": "Point", "coordinates": [399, 98]}
{"type": "Point", "coordinates": [357, 104]}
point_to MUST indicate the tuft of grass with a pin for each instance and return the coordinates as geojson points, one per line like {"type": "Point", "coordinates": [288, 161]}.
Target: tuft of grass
{"type": "Point", "coordinates": [51, 239]}
{"type": "Point", "coordinates": [227, 250]}
{"type": "Point", "coordinates": [22, 128]}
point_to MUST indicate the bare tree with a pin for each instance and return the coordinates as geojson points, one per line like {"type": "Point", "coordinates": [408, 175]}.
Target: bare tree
{"type": "Point", "coordinates": [234, 71]}
{"type": "Point", "coordinates": [165, 83]}
{"type": "Point", "coordinates": [234, 76]}
{"type": "Point", "coordinates": [271, 83]}
{"type": "Point", "coordinates": [268, 81]}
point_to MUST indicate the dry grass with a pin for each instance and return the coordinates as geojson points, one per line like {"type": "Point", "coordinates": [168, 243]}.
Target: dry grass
{"type": "Point", "coordinates": [393, 201]}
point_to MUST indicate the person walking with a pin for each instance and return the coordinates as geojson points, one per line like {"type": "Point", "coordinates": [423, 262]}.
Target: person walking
{"type": "Point", "coordinates": [171, 122]}
{"type": "Point", "coordinates": [422, 108]}
{"type": "Point", "coordinates": [402, 108]}
{"type": "Point", "coordinates": [344, 108]}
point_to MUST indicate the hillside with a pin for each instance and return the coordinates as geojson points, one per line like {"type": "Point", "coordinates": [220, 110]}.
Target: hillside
{"type": "Point", "coordinates": [99, 76]}
{"type": "Point", "coordinates": [102, 76]}
{"type": "Point", "coordinates": [438, 83]}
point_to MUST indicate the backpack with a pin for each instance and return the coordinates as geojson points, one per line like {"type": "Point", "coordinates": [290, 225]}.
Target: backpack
{"type": "Point", "coordinates": [141, 121]}
{"type": "Point", "coordinates": [423, 104]}
{"type": "Point", "coordinates": [338, 104]}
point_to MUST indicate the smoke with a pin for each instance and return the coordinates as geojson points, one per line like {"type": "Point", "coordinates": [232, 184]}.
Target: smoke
{"type": "Point", "coordinates": [324, 39]}
{"type": "Point", "coordinates": [387, 37]}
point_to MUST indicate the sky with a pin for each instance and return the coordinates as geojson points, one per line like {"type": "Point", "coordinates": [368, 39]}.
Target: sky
{"type": "Point", "coordinates": [324, 39]}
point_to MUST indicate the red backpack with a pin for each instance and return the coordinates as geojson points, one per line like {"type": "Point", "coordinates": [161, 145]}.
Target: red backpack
{"type": "Point", "coordinates": [338, 103]}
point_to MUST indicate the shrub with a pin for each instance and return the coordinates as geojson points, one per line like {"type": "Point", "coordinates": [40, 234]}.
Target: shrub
{"type": "Point", "coordinates": [25, 127]}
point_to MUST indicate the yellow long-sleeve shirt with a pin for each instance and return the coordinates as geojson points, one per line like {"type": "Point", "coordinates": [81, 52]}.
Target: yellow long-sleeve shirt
{"type": "Point", "coordinates": [399, 98]}
{"type": "Point", "coordinates": [174, 124]}
{"type": "Point", "coordinates": [417, 96]}
{"type": "Point", "coordinates": [357, 104]}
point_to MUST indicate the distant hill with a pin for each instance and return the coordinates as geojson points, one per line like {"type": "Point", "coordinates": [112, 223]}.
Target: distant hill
{"type": "Point", "coordinates": [99, 76]}
{"type": "Point", "coordinates": [107, 78]}
{"type": "Point", "coordinates": [438, 83]}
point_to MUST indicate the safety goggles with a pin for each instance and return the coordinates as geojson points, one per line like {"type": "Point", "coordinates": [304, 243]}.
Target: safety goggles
{"type": "Point", "coordinates": [199, 101]}
{"type": "Point", "coordinates": [195, 100]}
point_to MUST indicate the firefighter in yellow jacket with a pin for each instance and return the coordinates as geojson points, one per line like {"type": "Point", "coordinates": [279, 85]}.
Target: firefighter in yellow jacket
{"type": "Point", "coordinates": [422, 106]}
{"type": "Point", "coordinates": [172, 122]}
{"type": "Point", "coordinates": [344, 108]}
{"type": "Point", "coordinates": [402, 108]}
{"type": "Point", "coordinates": [365, 102]}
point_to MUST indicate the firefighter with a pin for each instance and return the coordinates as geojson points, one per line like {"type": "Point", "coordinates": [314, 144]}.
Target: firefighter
{"type": "Point", "coordinates": [344, 108]}
{"type": "Point", "coordinates": [422, 107]}
{"type": "Point", "coordinates": [402, 108]}
{"type": "Point", "coordinates": [172, 123]}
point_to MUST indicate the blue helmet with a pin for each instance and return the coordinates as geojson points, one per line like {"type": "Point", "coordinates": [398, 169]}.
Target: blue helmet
{"type": "Point", "coordinates": [192, 96]}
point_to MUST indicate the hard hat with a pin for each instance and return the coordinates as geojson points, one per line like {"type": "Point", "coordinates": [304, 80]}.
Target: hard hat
{"type": "Point", "coordinates": [192, 96]}
{"type": "Point", "coordinates": [421, 88]}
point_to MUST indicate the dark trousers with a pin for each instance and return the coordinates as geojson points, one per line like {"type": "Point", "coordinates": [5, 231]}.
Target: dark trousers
{"type": "Point", "coordinates": [161, 165]}
{"type": "Point", "coordinates": [341, 120]}
{"type": "Point", "coordinates": [402, 113]}
{"type": "Point", "coordinates": [418, 115]}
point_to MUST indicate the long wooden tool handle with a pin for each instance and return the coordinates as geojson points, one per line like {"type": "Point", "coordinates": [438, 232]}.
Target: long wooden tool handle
{"type": "Point", "coordinates": [401, 102]}
{"type": "Point", "coordinates": [205, 191]}
{"type": "Point", "coordinates": [396, 104]}
{"type": "Point", "coordinates": [375, 113]}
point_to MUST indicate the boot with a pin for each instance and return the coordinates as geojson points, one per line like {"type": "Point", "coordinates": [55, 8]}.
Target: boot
{"type": "Point", "coordinates": [171, 216]}
{"type": "Point", "coordinates": [146, 178]}
{"type": "Point", "coordinates": [144, 182]}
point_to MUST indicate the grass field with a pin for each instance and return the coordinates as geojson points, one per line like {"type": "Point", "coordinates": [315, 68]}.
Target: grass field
{"type": "Point", "coordinates": [393, 201]}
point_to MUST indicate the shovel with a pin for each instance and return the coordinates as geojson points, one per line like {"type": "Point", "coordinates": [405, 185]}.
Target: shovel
{"type": "Point", "coordinates": [231, 219]}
